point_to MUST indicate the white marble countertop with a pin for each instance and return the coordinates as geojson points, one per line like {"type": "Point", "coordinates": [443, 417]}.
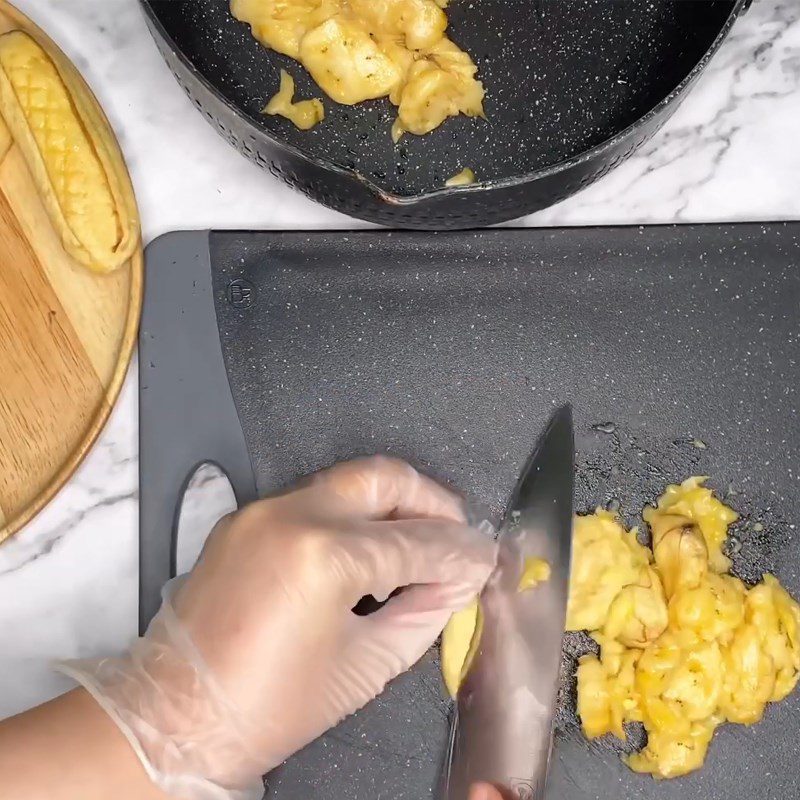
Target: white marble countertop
{"type": "Point", "coordinates": [68, 582]}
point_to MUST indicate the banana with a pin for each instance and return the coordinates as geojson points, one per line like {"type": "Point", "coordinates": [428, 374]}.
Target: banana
{"type": "Point", "coordinates": [70, 153]}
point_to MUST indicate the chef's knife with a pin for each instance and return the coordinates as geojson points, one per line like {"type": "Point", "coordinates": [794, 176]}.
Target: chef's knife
{"type": "Point", "coordinates": [502, 730]}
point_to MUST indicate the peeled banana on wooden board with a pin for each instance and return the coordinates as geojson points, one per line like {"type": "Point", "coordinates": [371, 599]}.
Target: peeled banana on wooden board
{"type": "Point", "coordinates": [70, 153]}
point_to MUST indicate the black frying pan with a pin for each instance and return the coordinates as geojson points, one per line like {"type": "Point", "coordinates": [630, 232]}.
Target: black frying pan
{"type": "Point", "coordinates": [573, 88]}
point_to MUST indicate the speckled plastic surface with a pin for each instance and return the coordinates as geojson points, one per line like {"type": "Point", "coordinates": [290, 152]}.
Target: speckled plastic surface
{"type": "Point", "coordinates": [562, 77]}
{"type": "Point", "coordinates": [679, 348]}
{"type": "Point", "coordinates": [186, 411]}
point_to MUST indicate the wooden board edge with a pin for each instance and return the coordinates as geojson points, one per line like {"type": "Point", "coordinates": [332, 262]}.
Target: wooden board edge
{"type": "Point", "coordinates": [104, 408]}
{"type": "Point", "coordinates": [12, 525]}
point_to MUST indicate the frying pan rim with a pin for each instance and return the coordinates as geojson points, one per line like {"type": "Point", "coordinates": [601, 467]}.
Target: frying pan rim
{"type": "Point", "coordinates": [499, 183]}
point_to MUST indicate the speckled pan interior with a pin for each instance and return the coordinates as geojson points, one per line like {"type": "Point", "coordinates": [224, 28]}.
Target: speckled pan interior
{"type": "Point", "coordinates": [562, 76]}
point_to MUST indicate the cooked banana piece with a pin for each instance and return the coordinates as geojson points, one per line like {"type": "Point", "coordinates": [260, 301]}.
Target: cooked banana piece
{"type": "Point", "coordinates": [304, 114]}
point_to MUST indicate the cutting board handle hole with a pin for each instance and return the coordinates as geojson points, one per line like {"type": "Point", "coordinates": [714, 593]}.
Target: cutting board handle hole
{"type": "Point", "coordinates": [208, 497]}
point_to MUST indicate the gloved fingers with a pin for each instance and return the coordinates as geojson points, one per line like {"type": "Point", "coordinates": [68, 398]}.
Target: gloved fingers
{"type": "Point", "coordinates": [485, 791]}
{"type": "Point", "coordinates": [412, 606]}
{"type": "Point", "coordinates": [395, 637]}
{"type": "Point", "coordinates": [380, 487]}
{"type": "Point", "coordinates": [389, 554]}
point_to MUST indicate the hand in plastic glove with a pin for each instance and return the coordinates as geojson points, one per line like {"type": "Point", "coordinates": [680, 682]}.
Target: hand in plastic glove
{"type": "Point", "coordinates": [485, 791]}
{"type": "Point", "coordinates": [257, 651]}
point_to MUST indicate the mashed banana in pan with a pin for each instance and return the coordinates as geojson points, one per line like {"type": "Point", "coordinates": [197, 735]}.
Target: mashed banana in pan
{"type": "Point", "coordinates": [360, 50]}
{"type": "Point", "coordinates": [304, 114]}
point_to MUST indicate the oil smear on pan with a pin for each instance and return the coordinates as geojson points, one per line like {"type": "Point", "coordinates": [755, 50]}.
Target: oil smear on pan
{"type": "Point", "coordinates": [359, 50]}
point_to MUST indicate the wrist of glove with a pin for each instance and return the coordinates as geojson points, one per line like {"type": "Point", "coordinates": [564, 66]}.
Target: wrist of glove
{"type": "Point", "coordinates": [192, 741]}
{"type": "Point", "coordinates": [257, 651]}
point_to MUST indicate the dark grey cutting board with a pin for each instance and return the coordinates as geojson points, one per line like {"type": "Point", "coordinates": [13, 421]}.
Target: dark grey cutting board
{"type": "Point", "coordinates": [274, 354]}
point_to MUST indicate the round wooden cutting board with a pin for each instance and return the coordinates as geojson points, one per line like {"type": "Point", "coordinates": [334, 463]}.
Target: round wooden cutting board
{"type": "Point", "coordinates": [66, 335]}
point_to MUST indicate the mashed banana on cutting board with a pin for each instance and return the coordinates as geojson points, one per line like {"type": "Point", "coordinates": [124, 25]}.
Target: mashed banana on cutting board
{"type": "Point", "coordinates": [684, 645]}
{"type": "Point", "coordinates": [360, 50]}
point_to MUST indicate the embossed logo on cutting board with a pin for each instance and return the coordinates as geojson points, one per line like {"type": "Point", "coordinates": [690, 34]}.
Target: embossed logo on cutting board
{"type": "Point", "coordinates": [241, 293]}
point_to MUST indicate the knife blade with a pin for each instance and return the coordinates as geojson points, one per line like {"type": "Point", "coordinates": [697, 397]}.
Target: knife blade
{"type": "Point", "coordinates": [502, 728]}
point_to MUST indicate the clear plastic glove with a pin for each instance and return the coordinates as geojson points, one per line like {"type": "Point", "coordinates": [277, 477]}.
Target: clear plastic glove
{"type": "Point", "coordinates": [256, 652]}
